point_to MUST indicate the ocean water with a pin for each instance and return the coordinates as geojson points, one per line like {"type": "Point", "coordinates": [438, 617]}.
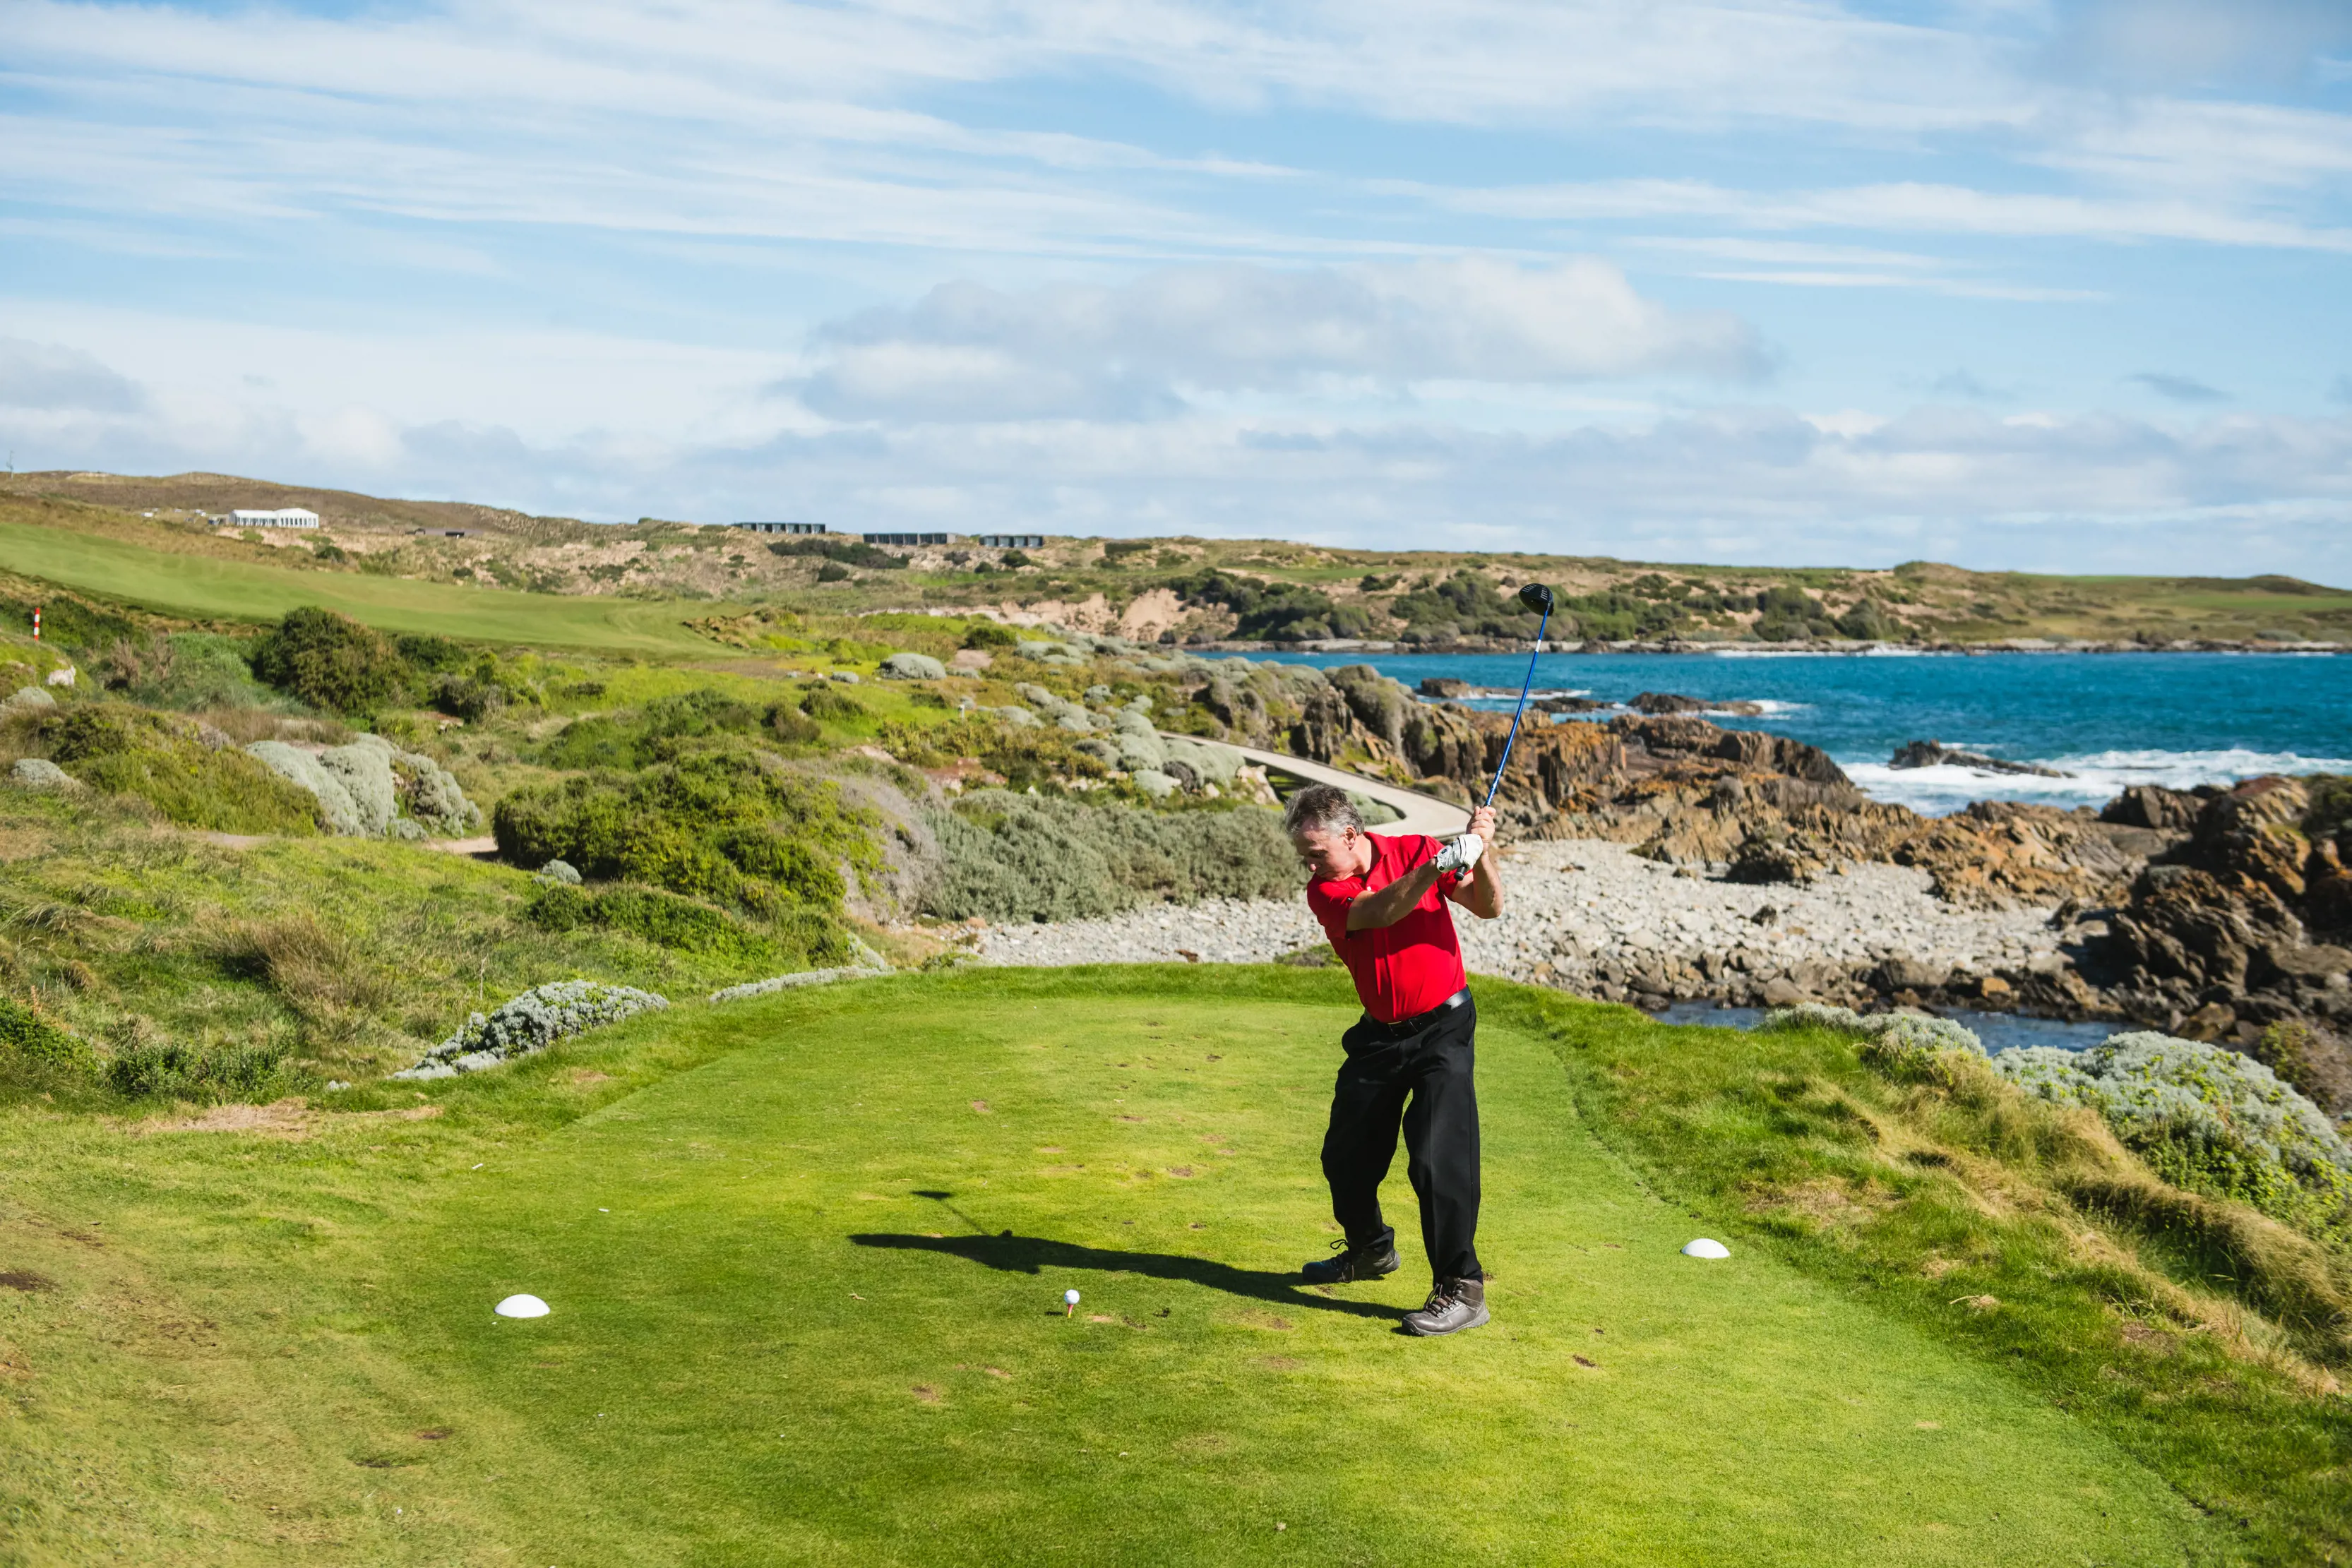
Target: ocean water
{"type": "Point", "coordinates": [1997, 1031]}
{"type": "Point", "coordinates": [2104, 719]}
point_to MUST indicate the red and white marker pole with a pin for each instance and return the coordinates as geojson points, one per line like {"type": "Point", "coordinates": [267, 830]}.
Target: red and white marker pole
{"type": "Point", "coordinates": [37, 622]}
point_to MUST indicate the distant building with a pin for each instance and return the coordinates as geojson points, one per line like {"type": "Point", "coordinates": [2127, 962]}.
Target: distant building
{"type": "Point", "coordinates": [1013, 541]}
{"type": "Point", "coordinates": [910, 538]}
{"type": "Point", "coordinates": [283, 518]}
{"type": "Point", "coordinates": [783, 527]}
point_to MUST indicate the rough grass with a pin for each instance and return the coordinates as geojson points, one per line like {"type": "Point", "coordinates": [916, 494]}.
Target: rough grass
{"type": "Point", "coordinates": [2206, 1339]}
{"type": "Point", "coordinates": [206, 586]}
{"type": "Point", "coordinates": [351, 956]}
{"type": "Point", "coordinates": [807, 1256]}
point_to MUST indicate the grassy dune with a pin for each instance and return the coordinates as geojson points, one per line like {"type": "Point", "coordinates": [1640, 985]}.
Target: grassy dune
{"type": "Point", "coordinates": [806, 1257]}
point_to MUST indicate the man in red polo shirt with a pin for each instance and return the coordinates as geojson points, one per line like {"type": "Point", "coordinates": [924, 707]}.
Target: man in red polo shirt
{"type": "Point", "coordinates": [1383, 901]}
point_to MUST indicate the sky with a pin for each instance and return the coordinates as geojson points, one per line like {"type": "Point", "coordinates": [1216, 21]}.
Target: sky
{"type": "Point", "coordinates": [2008, 284]}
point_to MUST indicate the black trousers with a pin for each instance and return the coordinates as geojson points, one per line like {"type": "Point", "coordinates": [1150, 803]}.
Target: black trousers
{"type": "Point", "coordinates": [1421, 1080]}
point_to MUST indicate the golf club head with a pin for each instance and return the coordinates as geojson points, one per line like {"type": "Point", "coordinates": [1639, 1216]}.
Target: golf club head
{"type": "Point", "coordinates": [1537, 597]}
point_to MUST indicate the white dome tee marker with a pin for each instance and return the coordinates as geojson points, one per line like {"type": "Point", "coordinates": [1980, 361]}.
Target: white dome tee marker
{"type": "Point", "coordinates": [524, 1306]}
{"type": "Point", "coordinates": [1703, 1248]}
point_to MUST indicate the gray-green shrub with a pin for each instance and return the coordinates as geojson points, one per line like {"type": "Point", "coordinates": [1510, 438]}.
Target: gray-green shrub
{"type": "Point", "coordinates": [2206, 1119]}
{"type": "Point", "coordinates": [1035, 857]}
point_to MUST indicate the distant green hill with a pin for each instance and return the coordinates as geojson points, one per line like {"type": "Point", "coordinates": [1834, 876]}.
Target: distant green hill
{"type": "Point", "coordinates": [409, 565]}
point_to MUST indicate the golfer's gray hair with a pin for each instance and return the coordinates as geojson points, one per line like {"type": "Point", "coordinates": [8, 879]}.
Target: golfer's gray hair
{"type": "Point", "coordinates": [1321, 807]}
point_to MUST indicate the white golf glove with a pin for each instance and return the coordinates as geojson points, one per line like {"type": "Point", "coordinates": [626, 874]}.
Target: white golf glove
{"type": "Point", "coordinates": [1462, 853]}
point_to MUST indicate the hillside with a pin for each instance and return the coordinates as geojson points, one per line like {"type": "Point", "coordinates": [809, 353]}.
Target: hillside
{"type": "Point", "coordinates": [1176, 590]}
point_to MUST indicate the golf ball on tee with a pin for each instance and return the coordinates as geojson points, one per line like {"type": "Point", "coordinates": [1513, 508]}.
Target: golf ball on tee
{"type": "Point", "coordinates": [1071, 1297]}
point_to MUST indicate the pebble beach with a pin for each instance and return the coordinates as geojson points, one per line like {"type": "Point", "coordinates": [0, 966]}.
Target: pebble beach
{"type": "Point", "coordinates": [1594, 918]}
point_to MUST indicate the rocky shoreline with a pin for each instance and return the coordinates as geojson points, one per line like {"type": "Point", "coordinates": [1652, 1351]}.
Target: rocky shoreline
{"type": "Point", "coordinates": [1799, 645]}
{"type": "Point", "coordinates": [1593, 917]}
{"type": "Point", "coordinates": [1652, 842]}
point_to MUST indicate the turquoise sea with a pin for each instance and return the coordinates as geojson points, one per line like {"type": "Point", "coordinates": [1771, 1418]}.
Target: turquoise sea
{"type": "Point", "coordinates": [2106, 719]}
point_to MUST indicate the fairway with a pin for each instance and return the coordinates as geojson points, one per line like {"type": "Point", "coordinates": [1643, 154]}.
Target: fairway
{"type": "Point", "coordinates": [209, 586]}
{"type": "Point", "coordinates": [807, 1308]}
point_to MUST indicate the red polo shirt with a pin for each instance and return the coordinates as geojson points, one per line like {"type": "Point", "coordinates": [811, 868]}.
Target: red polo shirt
{"type": "Point", "coordinates": [1405, 968]}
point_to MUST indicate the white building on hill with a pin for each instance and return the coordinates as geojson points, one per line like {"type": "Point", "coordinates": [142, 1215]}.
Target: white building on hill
{"type": "Point", "coordinates": [283, 518]}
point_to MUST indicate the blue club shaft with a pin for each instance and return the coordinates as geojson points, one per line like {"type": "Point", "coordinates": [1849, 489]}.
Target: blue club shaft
{"type": "Point", "coordinates": [1525, 687]}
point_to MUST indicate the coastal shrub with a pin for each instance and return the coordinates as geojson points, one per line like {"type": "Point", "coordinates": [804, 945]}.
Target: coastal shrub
{"type": "Point", "coordinates": [1023, 756]}
{"type": "Point", "coordinates": [329, 660]}
{"type": "Point", "coordinates": [667, 727]}
{"type": "Point", "coordinates": [845, 552]}
{"type": "Point", "coordinates": [461, 695]}
{"type": "Point", "coordinates": [829, 701]}
{"type": "Point", "coordinates": [1868, 621]}
{"type": "Point", "coordinates": [190, 776]}
{"type": "Point", "coordinates": [1788, 612]}
{"type": "Point", "coordinates": [1005, 856]}
{"type": "Point", "coordinates": [428, 654]}
{"type": "Point", "coordinates": [30, 1041]}
{"type": "Point", "coordinates": [662, 918]}
{"type": "Point", "coordinates": [990, 634]}
{"type": "Point", "coordinates": [2205, 1119]}
{"type": "Point", "coordinates": [176, 1070]}
{"type": "Point", "coordinates": [531, 1022]}
{"type": "Point", "coordinates": [1466, 603]}
{"type": "Point", "coordinates": [1279, 611]}
{"type": "Point", "coordinates": [189, 671]}
{"type": "Point", "coordinates": [722, 826]}
{"type": "Point", "coordinates": [68, 622]}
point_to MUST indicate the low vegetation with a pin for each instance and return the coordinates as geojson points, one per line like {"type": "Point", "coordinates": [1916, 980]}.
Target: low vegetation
{"type": "Point", "coordinates": [2208, 1339]}
{"type": "Point", "coordinates": [563, 582]}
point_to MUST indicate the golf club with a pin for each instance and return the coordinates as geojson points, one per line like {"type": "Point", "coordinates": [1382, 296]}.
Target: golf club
{"type": "Point", "coordinates": [1537, 597]}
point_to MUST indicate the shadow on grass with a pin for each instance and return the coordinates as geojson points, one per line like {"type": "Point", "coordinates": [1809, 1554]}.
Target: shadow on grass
{"type": "Point", "coordinates": [1036, 1254]}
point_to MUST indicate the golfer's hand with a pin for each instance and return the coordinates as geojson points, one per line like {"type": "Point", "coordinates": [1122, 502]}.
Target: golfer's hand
{"type": "Point", "coordinates": [1482, 822]}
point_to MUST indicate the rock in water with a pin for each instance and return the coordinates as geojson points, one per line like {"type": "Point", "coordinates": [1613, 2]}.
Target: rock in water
{"type": "Point", "coordinates": [1674, 702]}
{"type": "Point", "coordinates": [1936, 754]}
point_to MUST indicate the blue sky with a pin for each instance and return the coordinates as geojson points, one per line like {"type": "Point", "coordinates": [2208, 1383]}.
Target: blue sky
{"type": "Point", "coordinates": [1997, 282]}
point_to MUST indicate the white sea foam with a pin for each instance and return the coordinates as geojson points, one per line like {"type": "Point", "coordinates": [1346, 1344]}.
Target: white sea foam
{"type": "Point", "coordinates": [2097, 776]}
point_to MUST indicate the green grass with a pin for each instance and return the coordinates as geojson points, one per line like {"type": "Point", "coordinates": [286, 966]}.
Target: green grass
{"type": "Point", "coordinates": [211, 586]}
{"type": "Point", "coordinates": [354, 953]}
{"type": "Point", "coordinates": [806, 1257]}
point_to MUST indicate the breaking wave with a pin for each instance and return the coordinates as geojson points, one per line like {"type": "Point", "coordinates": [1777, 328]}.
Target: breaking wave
{"type": "Point", "coordinates": [2097, 776]}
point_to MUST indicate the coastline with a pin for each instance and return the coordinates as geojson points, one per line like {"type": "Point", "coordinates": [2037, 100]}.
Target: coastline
{"type": "Point", "coordinates": [1753, 649]}
{"type": "Point", "coordinates": [1590, 916]}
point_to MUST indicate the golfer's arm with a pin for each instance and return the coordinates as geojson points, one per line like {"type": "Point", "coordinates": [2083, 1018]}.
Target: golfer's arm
{"type": "Point", "coordinates": [1482, 895]}
{"type": "Point", "coordinates": [1393, 902]}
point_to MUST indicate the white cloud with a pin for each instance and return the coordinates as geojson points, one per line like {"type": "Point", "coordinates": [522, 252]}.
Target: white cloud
{"type": "Point", "coordinates": [1907, 206]}
{"type": "Point", "coordinates": [2033, 490]}
{"type": "Point", "coordinates": [51, 378]}
{"type": "Point", "coordinates": [968, 351]}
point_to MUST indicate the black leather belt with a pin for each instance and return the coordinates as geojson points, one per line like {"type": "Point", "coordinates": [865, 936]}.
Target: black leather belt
{"type": "Point", "coordinates": [1418, 1021]}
